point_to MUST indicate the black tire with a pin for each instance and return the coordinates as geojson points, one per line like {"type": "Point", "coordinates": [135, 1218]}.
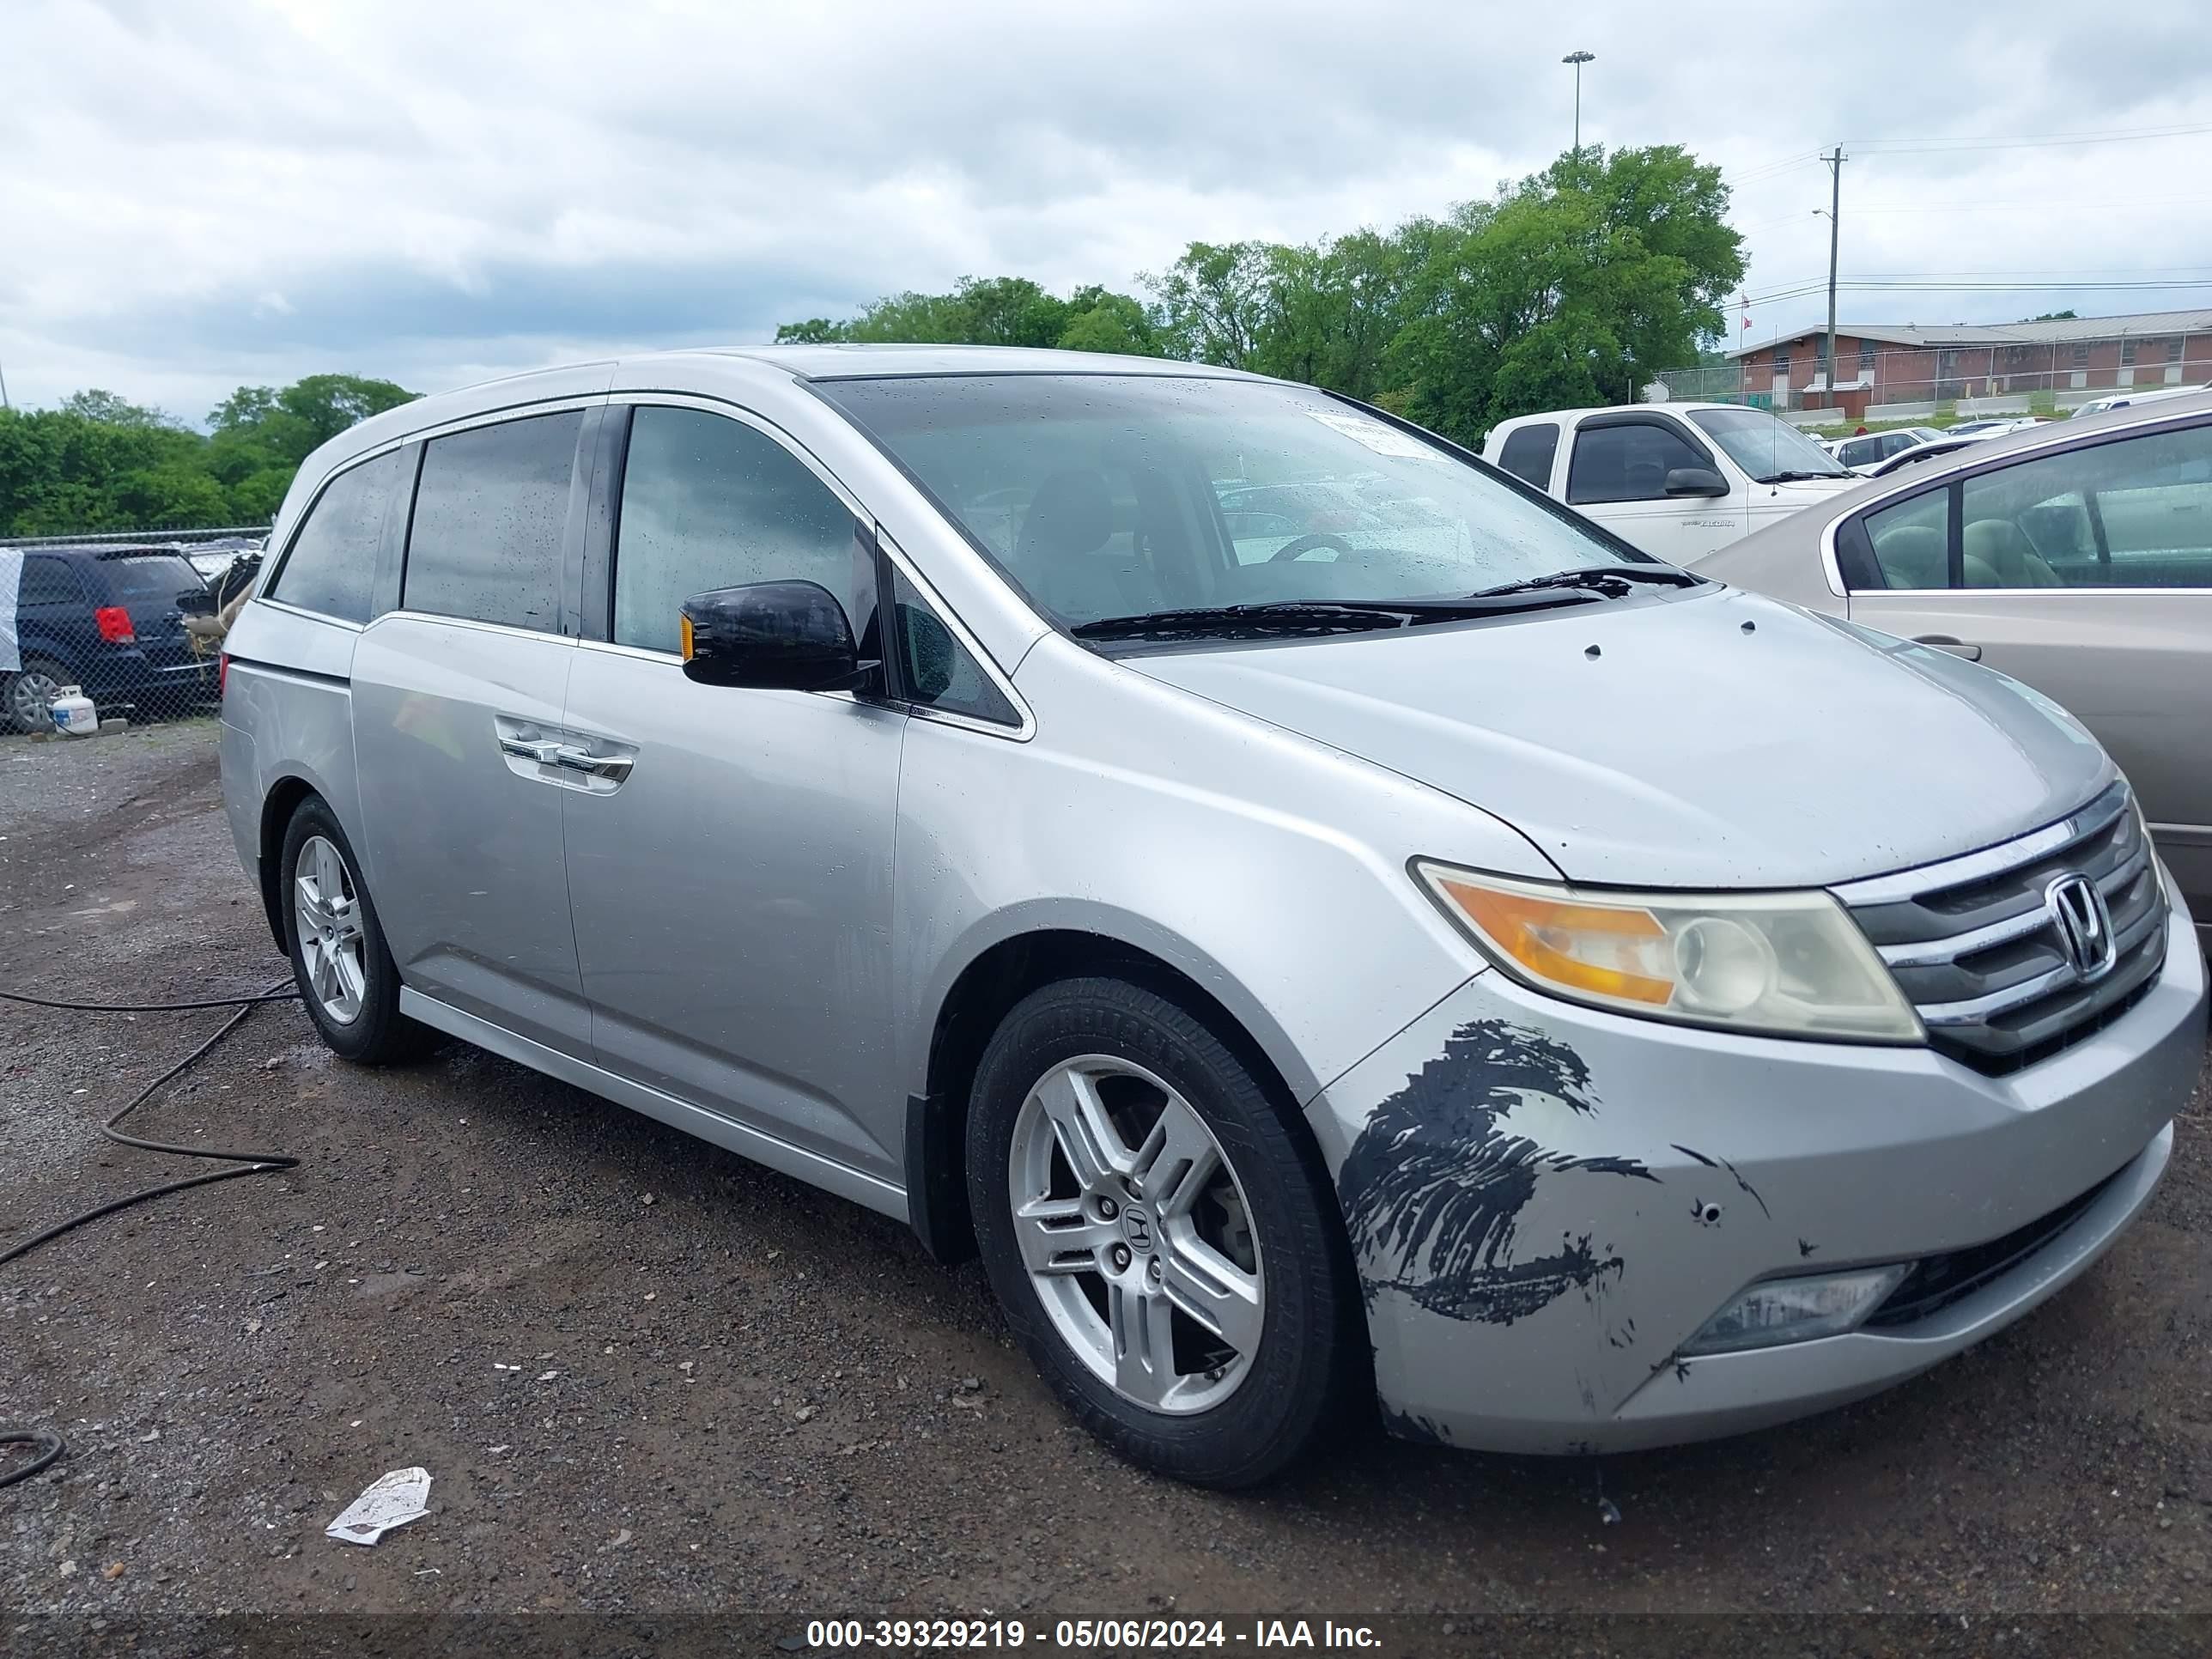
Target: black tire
{"type": "Point", "coordinates": [1311, 1348]}
{"type": "Point", "coordinates": [380, 1035]}
{"type": "Point", "coordinates": [10, 716]}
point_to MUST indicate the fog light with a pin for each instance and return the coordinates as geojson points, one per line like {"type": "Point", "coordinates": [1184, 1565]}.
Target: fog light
{"type": "Point", "coordinates": [1779, 1311]}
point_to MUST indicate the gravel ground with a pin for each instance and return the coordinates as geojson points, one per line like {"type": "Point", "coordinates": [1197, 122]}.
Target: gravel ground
{"type": "Point", "coordinates": [650, 1376]}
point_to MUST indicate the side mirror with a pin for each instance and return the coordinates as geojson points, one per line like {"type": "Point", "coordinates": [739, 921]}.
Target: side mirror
{"type": "Point", "coordinates": [1695, 481]}
{"type": "Point", "coordinates": [777, 636]}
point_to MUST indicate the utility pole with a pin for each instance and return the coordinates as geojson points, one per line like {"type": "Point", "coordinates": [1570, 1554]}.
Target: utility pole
{"type": "Point", "coordinates": [1835, 203]}
{"type": "Point", "coordinates": [1578, 59]}
{"type": "Point", "coordinates": [4, 404]}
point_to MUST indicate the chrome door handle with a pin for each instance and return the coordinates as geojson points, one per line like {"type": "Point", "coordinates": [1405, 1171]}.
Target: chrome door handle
{"type": "Point", "coordinates": [544, 750]}
{"type": "Point", "coordinates": [1957, 647]}
{"type": "Point", "coordinates": [612, 768]}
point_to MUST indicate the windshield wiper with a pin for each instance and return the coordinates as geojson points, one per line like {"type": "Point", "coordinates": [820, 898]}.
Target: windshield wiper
{"type": "Point", "coordinates": [1326, 616]}
{"type": "Point", "coordinates": [1598, 580]}
{"type": "Point", "coordinates": [1281, 616]}
{"type": "Point", "coordinates": [1792, 475]}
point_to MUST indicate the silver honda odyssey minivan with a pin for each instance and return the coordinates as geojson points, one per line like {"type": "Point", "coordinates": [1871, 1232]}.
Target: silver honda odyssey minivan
{"type": "Point", "coordinates": [1332, 927]}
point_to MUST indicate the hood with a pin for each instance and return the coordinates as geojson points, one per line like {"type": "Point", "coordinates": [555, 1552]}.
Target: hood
{"type": "Point", "coordinates": [1686, 752]}
{"type": "Point", "coordinates": [1800, 492]}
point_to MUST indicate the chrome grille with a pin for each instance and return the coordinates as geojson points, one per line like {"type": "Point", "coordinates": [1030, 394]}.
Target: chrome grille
{"type": "Point", "coordinates": [1976, 946]}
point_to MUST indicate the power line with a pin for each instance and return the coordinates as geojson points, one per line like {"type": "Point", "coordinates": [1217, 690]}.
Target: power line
{"type": "Point", "coordinates": [2047, 141]}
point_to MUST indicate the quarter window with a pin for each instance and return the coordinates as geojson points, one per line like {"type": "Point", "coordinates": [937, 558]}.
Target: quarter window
{"type": "Point", "coordinates": [1627, 462]}
{"type": "Point", "coordinates": [1911, 541]}
{"type": "Point", "coordinates": [710, 502]}
{"type": "Point", "coordinates": [940, 673]}
{"type": "Point", "coordinates": [48, 582]}
{"type": "Point", "coordinates": [332, 566]}
{"type": "Point", "coordinates": [1529, 451]}
{"type": "Point", "coordinates": [490, 515]}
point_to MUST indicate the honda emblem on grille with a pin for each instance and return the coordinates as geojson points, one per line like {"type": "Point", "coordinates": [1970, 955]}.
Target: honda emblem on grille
{"type": "Point", "coordinates": [2084, 925]}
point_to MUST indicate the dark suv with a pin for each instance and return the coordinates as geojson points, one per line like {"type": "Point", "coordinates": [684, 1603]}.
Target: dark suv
{"type": "Point", "coordinates": [108, 619]}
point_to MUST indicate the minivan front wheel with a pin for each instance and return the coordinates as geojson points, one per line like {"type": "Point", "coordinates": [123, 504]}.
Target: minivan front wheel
{"type": "Point", "coordinates": [1159, 1239]}
{"type": "Point", "coordinates": [347, 979]}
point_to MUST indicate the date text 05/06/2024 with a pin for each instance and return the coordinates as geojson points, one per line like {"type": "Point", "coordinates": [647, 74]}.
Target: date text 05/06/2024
{"type": "Point", "coordinates": [1076, 1635]}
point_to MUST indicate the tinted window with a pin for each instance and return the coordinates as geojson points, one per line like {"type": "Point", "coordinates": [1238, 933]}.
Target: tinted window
{"type": "Point", "coordinates": [2135, 512]}
{"type": "Point", "coordinates": [1766, 448]}
{"type": "Point", "coordinates": [488, 517]}
{"type": "Point", "coordinates": [1528, 451]}
{"type": "Point", "coordinates": [150, 578]}
{"type": "Point", "coordinates": [1911, 541]}
{"type": "Point", "coordinates": [939, 672]}
{"type": "Point", "coordinates": [332, 564]}
{"type": "Point", "coordinates": [1628, 461]}
{"type": "Point", "coordinates": [710, 502]}
{"type": "Point", "coordinates": [49, 581]}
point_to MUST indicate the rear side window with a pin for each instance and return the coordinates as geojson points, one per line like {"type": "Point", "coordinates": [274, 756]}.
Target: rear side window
{"type": "Point", "coordinates": [940, 673]}
{"type": "Point", "coordinates": [1529, 451]}
{"type": "Point", "coordinates": [490, 514]}
{"type": "Point", "coordinates": [711, 502]}
{"type": "Point", "coordinates": [49, 581]}
{"type": "Point", "coordinates": [1628, 461]}
{"type": "Point", "coordinates": [332, 566]}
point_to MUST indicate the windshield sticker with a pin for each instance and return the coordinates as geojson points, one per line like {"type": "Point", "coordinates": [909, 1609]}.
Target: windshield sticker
{"type": "Point", "coordinates": [1373, 435]}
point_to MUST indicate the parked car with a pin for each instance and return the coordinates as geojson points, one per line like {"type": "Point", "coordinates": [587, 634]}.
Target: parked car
{"type": "Point", "coordinates": [2125, 399]}
{"type": "Point", "coordinates": [1677, 480]}
{"type": "Point", "coordinates": [2077, 558]}
{"type": "Point", "coordinates": [1514, 978]}
{"type": "Point", "coordinates": [109, 619]}
{"type": "Point", "coordinates": [1917, 455]}
{"type": "Point", "coordinates": [1865, 451]}
{"type": "Point", "coordinates": [1997, 427]}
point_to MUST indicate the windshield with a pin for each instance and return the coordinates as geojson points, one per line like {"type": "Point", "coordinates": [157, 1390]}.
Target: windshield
{"type": "Point", "coordinates": [1106, 496]}
{"type": "Point", "coordinates": [1768, 449]}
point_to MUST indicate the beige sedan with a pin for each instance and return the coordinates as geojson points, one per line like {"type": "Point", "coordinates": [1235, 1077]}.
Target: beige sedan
{"type": "Point", "coordinates": [2076, 557]}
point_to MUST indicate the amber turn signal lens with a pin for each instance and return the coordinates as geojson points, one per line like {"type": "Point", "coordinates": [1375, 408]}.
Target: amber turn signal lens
{"type": "Point", "coordinates": [1586, 946]}
{"type": "Point", "coordinates": [687, 639]}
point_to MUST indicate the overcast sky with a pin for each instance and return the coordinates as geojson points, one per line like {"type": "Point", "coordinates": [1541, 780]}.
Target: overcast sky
{"type": "Point", "coordinates": [199, 194]}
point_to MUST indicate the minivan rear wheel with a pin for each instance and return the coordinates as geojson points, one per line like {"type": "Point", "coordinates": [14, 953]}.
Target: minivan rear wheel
{"type": "Point", "coordinates": [30, 694]}
{"type": "Point", "coordinates": [347, 979]}
{"type": "Point", "coordinates": [1160, 1240]}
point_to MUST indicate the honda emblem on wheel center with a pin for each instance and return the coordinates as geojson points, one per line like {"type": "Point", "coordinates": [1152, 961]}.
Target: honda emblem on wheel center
{"type": "Point", "coordinates": [2084, 925]}
{"type": "Point", "coordinates": [1137, 1228]}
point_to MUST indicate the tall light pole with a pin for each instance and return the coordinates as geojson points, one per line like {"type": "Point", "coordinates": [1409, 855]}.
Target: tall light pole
{"type": "Point", "coordinates": [1835, 205]}
{"type": "Point", "coordinates": [1578, 59]}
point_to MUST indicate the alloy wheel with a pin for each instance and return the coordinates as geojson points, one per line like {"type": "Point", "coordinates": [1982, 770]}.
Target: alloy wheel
{"type": "Point", "coordinates": [331, 944]}
{"type": "Point", "coordinates": [30, 698]}
{"type": "Point", "coordinates": [1135, 1234]}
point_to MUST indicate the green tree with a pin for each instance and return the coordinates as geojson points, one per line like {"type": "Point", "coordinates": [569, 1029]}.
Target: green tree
{"type": "Point", "coordinates": [1008, 311]}
{"type": "Point", "coordinates": [99, 462]}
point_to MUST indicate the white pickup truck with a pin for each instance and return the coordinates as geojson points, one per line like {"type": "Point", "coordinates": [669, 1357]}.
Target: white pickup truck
{"type": "Point", "coordinates": [1677, 480]}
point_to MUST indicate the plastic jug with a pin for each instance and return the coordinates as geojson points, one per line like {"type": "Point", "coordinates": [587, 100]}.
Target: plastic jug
{"type": "Point", "coordinates": [73, 716]}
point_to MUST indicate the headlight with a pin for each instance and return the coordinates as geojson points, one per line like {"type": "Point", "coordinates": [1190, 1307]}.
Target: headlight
{"type": "Point", "coordinates": [1790, 965]}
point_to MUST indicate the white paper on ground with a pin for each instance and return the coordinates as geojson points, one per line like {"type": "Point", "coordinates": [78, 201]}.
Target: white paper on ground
{"type": "Point", "coordinates": [392, 1500]}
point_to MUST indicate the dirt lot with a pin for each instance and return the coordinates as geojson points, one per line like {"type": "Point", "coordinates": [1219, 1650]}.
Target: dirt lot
{"type": "Point", "coordinates": [650, 1376]}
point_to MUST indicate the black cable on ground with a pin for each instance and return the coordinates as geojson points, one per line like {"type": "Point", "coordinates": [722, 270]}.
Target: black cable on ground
{"type": "Point", "coordinates": [50, 1445]}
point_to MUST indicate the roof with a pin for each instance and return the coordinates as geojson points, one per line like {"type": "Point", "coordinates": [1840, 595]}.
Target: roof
{"type": "Point", "coordinates": [847, 362]}
{"type": "Point", "coordinates": [2060, 331]}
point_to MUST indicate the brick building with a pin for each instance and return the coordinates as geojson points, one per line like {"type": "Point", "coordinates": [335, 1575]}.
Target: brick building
{"type": "Point", "coordinates": [2071, 360]}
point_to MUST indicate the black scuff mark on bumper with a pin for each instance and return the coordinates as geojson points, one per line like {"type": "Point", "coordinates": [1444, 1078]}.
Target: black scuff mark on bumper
{"type": "Point", "coordinates": [1433, 1189]}
{"type": "Point", "coordinates": [1412, 1427]}
{"type": "Point", "coordinates": [1736, 1174]}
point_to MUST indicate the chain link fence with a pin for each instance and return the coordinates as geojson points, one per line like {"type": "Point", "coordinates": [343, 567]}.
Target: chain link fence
{"type": "Point", "coordinates": [1943, 380]}
{"type": "Point", "coordinates": [118, 626]}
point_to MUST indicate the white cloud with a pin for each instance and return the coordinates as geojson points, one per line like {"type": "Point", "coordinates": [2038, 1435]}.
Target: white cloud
{"type": "Point", "coordinates": [200, 195]}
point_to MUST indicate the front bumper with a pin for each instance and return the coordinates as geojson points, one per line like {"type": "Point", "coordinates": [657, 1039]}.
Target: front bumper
{"type": "Point", "coordinates": [1546, 1202]}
